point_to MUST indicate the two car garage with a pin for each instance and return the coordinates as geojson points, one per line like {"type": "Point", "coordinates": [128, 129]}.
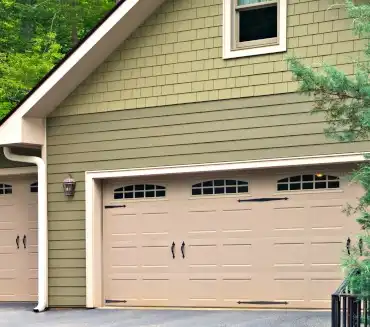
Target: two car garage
{"type": "Point", "coordinates": [238, 239]}
{"type": "Point", "coordinates": [266, 239]}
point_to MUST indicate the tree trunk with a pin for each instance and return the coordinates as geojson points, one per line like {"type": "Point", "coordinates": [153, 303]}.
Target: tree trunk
{"type": "Point", "coordinates": [74, 34]}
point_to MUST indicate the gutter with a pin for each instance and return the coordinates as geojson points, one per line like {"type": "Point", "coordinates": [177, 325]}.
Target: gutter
{"type": "Point", "coordinates": [42, 225]}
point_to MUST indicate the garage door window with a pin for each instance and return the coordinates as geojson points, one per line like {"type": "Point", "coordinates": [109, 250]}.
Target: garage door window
{"type": "Point", "coordinates": [34, 187]}
{"type": "Point", "coordinates": [139, 191]}
{"type": "Point", "coordinates": [220, 186]}
{"type": "Point", "coordinates": [5, 189]}
{"type": "Point", "coordinates": [308, 182]}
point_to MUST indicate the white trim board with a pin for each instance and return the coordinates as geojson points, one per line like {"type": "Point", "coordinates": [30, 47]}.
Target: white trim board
{"type": "Point", "coordinates": [94, 202]}
{"type": "Point", "coordinates": [18, 171]}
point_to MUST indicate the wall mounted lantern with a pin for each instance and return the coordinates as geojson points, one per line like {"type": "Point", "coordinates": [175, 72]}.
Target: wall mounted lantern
{"type": "Point", "coordinates": [69, 186]}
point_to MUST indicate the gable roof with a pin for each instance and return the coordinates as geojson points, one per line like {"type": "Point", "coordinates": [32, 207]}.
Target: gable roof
{"type": "Point", "coordinates": [82, 60]}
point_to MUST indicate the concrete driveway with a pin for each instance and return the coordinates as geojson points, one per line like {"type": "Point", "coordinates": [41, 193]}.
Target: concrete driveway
{"type": "Point", "coordinates": [22, 316]}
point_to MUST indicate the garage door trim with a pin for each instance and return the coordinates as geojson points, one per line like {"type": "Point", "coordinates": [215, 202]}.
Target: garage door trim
{"type": "Point", "coordinates": [94, 202]}
{"type": "Point", "coordinates": [18, 171]}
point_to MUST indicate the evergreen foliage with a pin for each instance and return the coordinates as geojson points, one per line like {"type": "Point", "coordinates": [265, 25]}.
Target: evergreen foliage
{"type": "Point", "coordinates": [35, 35]}
{"type": "Point", "coordinates": [345, 102]}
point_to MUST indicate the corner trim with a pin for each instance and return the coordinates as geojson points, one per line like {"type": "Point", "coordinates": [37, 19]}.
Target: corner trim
{"type": "Point", "coordinates": [94, 203]}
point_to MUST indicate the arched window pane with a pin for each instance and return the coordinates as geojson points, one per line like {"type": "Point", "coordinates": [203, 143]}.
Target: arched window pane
{"type": "Point", "coordinates": [308, 182]}
{"type": "Point", "coordinates": [220, 186]}
{"type": "Point", "coordinates": [34, 187]}
{"type": "Point", "coordinates": [6, 189]}
{"type": "Point", "coordinates": [139, 191]}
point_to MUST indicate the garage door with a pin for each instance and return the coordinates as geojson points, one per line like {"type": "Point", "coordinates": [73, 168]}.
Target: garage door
{"type": "Point", "coordinates": [226, 239]}
{"type": "Point", "coordinates": [18, 240]}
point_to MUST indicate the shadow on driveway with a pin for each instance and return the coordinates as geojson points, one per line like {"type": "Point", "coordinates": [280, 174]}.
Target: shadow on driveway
{"type": "Point", "coordinates": [20, 316]}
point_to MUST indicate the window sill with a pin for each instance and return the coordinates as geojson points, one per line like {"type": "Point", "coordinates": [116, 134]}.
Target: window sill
{"type": "Point", "coordinates": [229, 54]}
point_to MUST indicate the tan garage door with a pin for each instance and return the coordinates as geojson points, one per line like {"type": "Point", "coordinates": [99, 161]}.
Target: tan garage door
{"type": "Point", "coordinates": [226, 239]}
{"type": "Point", "coordinates": [18, 239]}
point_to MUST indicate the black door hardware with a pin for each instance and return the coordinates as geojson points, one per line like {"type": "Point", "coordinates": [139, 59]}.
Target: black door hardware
{"type": "Point", "coordinates": [183, 249]}
{"type": "Point", "coordinates": [262, 302]}
{"type": "Point", "coordinates": [262, 199]}
{"type": "Point", "coordinates": [115, 206]}
{"type": "Point", "coordinates": [115, 301]}
{"type": "Point", "coordinates": [17, 241]}
{"type": "Point", "coordinates": [24, 241]}
{"type": "Point", "coordinates": [173, 250]}
{"type": "Point", "coordinates": [348, 246]}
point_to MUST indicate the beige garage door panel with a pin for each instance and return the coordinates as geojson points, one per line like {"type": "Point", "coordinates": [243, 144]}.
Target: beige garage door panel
{"type": "Point", "coordinates": [278, 251]}
{"type": "Point", "coordinates": [18, 221]}
{"type": "Point", "coordinates": [139, 266]}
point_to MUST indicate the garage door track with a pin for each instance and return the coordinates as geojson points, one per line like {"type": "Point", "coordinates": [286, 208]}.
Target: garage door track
{"type": "Point", "coordinates": [23, 316]}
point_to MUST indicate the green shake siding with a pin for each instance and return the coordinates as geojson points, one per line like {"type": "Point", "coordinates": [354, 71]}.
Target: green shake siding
{"type": "Point", "coordinates": [166, 97]}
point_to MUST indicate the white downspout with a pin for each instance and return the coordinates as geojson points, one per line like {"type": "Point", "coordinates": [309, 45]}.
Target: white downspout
{"type": "Point", "coordinates": [42, 226]}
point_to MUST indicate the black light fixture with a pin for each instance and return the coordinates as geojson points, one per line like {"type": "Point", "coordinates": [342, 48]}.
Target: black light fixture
{"type": "Point", "coordinates": [69, 186]}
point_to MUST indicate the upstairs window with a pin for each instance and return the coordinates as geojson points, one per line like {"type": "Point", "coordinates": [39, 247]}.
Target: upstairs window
{"type": "Point", "coordinates": [253, 27]}
{"type": "Point", "coordinates": [308, 182]}
{"type": "Point", "coordinates": [220, 186]}
{"type": "Point", "coordinates": [139, 191]}
{"type": "Point", "coordinates": [5, 189]}
{"type": "Point", "coordinates": [256, 23]}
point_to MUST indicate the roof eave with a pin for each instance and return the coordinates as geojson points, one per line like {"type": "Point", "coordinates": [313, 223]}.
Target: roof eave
{"type": "Point", "coordinates": [79, 64]}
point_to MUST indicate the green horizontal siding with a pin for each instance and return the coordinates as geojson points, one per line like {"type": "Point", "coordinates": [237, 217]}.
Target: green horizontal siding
{"type": "Point", "coordinates": [247, 129]}
{"type": "Point", "coordinates": [67, 245]}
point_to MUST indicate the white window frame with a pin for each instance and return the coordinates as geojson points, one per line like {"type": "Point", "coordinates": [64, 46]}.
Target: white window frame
{"type": "Point", "coordinates": [229, 48]}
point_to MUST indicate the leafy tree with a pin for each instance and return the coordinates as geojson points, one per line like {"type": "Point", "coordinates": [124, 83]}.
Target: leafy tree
{"type": "Point", "coordinates": [35, 35]}
{"type": "Point", "coordinates": [345, 102]}
{"type": "Point", "coordinates": [20, 72]}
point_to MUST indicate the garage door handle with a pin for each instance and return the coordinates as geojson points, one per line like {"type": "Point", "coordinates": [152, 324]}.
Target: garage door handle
{"type": "Point", "coordinates": [173, 250]}
{"type": "Point", "coordinates": [348, 246]}
{"type": "Point", "coordinates": [17, 241]}
{"type": "Point", "coordinates": [24, 241]}
{"type": "Point", "coordinates": [183, 249]}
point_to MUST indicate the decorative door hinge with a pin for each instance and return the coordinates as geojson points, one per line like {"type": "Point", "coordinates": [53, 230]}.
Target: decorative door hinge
{"type": "Point", "coordinates": [115, 301]}
{"type": "Point", "coordinates": [262, 199]}
{"type": "Point", "coordinates": [115, 206]}
{"type": "Point", "coordinates": [262, 302]}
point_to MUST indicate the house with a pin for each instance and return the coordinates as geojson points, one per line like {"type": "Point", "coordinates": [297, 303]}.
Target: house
{"type": "Point", "coordinates": [201, 178]}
